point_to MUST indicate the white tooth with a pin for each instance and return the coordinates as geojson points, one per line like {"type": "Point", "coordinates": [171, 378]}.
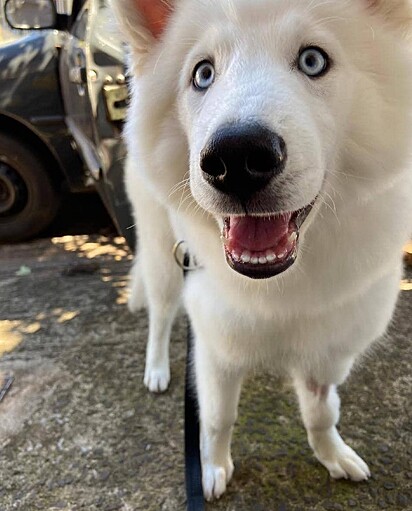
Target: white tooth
{"type": "Point", "coordinates": [245, 258]}
{"type": "Point", "coordinates": [270, 256]}
{"type": "Point", "coordinates": [282, 255]}
{"type": "Point", "coordinates": [254, 260]}
{"type": "Point", "coordinates": [262, 260]}
{"type": "Point", "coordinates": [235, 256]}
{"type": "Point", "coordinates": [293, 237]}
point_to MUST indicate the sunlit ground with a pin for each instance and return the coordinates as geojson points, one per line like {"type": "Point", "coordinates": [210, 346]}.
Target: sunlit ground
{"type": "Point", "coordinates": [104, 249]}
{"type": "Point", "coordinates": [406, 285]}
{"type": "Point", "coordinates": [114, 247]}
{"type": "Point", "coordinates": [101, 248]}
{"type": "Point", "coordinates": [13, 332]}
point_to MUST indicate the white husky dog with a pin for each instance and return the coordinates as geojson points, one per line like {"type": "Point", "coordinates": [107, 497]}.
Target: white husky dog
{"type": "Point", "coordinates": [273, 137]}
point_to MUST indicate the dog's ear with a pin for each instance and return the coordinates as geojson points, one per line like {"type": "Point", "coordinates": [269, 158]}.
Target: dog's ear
{"type": "Point", "coordinates": [143, 21]}
{"type": "Point", "coordinates": [397, 13]}
{"type": "Point", "coordinates": [154, 14]}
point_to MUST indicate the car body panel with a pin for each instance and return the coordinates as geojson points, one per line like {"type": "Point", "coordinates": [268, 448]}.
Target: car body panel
{"type": "Point", "coordinates": [92, 74]}
{"type": "Point", "coordinates": [67, 87]}
{"type": "Point", "coordinates": [30, 95]}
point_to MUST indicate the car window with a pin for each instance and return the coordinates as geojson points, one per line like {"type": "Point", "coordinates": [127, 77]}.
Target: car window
{"type": "Point", "coordinates": [105, 37]}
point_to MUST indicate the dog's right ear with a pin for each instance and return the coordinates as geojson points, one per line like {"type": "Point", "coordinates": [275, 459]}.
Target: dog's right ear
{"type": "Point", "coordinates": [154, 13]}
{"type": "Point", "coordinates": [143, 21]}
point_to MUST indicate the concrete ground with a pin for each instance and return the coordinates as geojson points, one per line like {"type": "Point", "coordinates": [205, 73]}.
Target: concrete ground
{"type": "Point", "coordinates": [78, 430]}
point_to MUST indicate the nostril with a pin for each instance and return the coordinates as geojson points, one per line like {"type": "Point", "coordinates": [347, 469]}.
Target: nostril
{"type": "Point", "coordinates": [260, 161]}
{"type": "Point", "coordinates": [213, 165]}
{"type": "Point", "coordinates": [279, 147]}
{"type": "Point", "coordinates": [267, 159]}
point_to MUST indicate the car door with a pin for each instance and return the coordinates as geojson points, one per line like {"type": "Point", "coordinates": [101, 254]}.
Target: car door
{"type": "Point", "coordinates": [75, 66]}
{"type": "Point", "coordinates": [95, 96]}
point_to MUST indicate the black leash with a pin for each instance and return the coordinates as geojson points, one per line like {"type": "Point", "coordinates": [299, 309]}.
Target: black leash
{"type": "Point", "coordinates": [193, 468]}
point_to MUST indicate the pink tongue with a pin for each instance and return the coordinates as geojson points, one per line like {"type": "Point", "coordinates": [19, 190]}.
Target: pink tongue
{"type": "Point", "coordinates": [258, 233]}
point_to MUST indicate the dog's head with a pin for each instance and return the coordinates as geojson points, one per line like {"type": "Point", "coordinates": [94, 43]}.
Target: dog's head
{"type": "Point", "coordinates": [279, 101]}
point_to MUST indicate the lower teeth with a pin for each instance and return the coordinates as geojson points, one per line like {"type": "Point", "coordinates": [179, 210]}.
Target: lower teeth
{"type": "Point", "coordinates": [270, 257]}
{"type": "Point", "coordinates": [262, 258]}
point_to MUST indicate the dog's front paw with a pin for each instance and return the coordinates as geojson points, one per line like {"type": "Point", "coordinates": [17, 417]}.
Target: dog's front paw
{"type": "Point", "coordinates": [216, 478]}
{"type": "Point", "coordinates": [347, 465]}
{"type": "Point", "coordinates": [157, 379]}
{"type": "Point", "coordinates": [341, 460]}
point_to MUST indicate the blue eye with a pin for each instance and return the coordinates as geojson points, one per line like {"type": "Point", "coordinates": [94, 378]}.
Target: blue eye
{"type": "Point", "coordinates": [203, 75]}
{"type": "Point", "coordinates": [313, 61]}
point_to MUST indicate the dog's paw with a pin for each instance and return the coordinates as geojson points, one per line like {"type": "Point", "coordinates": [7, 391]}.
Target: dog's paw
{"type": "Point", "coordinates": [215, 478]}
{"type": "Point", "coordinates": [341, 460]}
{"type": "Point", "coordinates": [347, 465]}
{"type": "Point", "coordinates": [157, 379]}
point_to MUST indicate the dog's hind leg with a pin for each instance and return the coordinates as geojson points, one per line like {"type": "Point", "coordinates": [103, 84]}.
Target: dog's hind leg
{"type": "Point", "coordinates": [218, 393]}
{"type": "Point", "coordinates": [162, 280]}
{"type": "Point", "coordinates": [319, 405]}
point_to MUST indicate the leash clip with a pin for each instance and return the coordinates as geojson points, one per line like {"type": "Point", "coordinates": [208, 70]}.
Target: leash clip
{"type": "Point", "coordinates": [182, 256]}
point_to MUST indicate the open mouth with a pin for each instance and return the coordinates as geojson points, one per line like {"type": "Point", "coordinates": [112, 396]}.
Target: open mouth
{"type": "Point", "coordinates": [261, 247]}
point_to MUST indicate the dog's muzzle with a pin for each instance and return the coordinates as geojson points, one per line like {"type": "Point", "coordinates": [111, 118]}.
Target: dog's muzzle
{"type": "Point", "coordinates": [241, 160]}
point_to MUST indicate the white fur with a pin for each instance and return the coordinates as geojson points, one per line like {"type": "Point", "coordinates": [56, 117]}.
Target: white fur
{"type": "Point", "coordinates": [348, 137]}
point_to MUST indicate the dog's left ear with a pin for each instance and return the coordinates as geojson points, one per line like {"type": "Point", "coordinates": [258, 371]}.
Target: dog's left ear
{"type": "Point", "coordinates": [397, 13]}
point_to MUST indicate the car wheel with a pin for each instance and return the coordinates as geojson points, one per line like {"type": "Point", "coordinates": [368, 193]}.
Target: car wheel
{"type": "Point", "coordinates": [28, 196]}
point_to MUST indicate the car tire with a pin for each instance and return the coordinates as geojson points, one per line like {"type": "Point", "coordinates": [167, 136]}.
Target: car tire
{"type": "Point", "coordinates": [29, 198]}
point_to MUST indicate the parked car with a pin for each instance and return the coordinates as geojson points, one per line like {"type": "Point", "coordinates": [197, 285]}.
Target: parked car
{"type": "Point", "coordinates": [63, 97]}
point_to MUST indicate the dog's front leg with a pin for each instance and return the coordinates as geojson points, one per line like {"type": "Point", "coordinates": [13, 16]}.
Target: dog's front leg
{"type": "Point", "coordinates": [156, 268]}
{"type": "Point", "coordinates": [319, 405]}
{"type": "Point", "coordinates": [218, 393]}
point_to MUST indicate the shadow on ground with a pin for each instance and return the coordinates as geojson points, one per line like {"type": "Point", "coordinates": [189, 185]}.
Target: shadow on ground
{"type": "Point", "coordinates": [78, 431]}
{"type": "Point", "coordinates": [80, 213]}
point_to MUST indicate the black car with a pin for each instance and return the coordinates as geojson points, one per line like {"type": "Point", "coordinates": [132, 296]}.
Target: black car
{"type": "Point", "coordinates": [63, 96]}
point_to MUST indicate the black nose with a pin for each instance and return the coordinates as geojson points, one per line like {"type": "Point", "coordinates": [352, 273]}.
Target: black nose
{"type": "Point", "coordinates": [242, 159]}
